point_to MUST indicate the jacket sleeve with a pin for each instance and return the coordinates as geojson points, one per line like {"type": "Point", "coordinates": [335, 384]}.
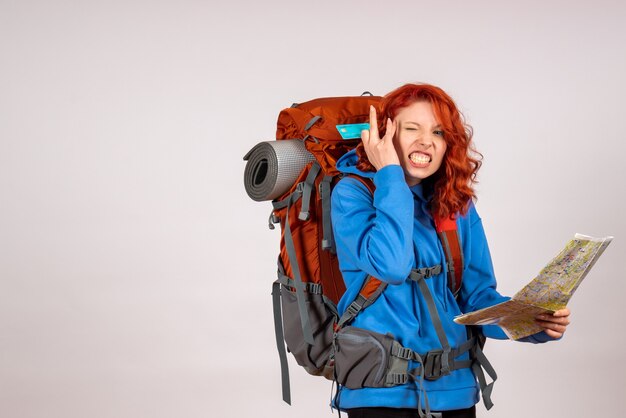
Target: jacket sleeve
{"type": "Point", "coordinates": [375, 234]}
{"type": "Point", "coordinates": [479, 282]}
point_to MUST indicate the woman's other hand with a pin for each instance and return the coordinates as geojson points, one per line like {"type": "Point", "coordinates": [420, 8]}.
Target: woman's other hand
{"type": "Point", "coordinates": [380, 151]}
{"type": "Point", "coordinates": [554, 325]}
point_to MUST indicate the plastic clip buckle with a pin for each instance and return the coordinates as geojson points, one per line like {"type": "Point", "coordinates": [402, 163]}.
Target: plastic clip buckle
{"type": "Point", "coordinates": [354, 308]}
{"type": "Point", "coordinates": [405, 353]}
{"type": "Point", "coordinates": [432, 365]}
{"type": "Point", "coordinates": [314, 288]}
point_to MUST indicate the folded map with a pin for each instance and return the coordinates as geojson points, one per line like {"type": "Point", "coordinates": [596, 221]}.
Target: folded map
{"type": "Point", "coordinates": [546, 293]}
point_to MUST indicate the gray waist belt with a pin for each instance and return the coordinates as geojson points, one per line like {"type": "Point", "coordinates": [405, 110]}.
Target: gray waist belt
{"type": "Point", "coordinates": [431, 362]}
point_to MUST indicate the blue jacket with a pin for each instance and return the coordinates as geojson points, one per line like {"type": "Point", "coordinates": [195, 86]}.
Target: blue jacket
{"type": "Point", "coordinates": [387, 236]}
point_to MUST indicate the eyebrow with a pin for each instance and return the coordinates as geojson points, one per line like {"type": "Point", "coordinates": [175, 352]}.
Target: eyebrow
{"type": "Point", "coordinates": [438, 126]}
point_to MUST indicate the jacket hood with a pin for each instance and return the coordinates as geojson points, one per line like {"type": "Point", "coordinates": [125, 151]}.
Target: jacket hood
{"type": "Point", "coordinates": [347, 164]}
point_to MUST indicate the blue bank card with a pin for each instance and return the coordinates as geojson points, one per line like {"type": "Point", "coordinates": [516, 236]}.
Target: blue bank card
{"type": "Point", "coordinates": [352, 130]}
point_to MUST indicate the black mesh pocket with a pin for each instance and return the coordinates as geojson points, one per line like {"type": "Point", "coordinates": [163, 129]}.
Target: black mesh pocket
{"type": "Point", "coordinates": [314, 358]}
{"type": "Point", "coordinates": [362, 358]}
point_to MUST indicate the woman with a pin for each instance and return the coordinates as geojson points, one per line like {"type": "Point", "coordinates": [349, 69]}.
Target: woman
{"type": "Point", "coordinates": [423, 164]}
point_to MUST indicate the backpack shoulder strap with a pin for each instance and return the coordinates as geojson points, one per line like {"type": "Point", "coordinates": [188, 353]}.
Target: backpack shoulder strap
{"type": "Point", "coordinates": [449, 237]}
{"type": "Point", "coordinates": [370, 291]}
{"type": "Point", "coordinates": [369, 183]}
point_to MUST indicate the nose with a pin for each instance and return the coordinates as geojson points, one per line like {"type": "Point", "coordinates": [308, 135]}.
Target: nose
{"type": "Point", "coordinates": [426, 140]}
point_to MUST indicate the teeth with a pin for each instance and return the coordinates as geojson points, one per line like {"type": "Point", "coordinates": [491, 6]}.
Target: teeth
{"type": "Point", "coordinates": [419, 158]}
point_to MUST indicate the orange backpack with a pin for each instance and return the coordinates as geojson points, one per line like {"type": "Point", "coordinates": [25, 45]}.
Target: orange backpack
{"type": "Point", "coordinates": [309, 283]}
{"type": "Point", "coordinates": [308, 269]}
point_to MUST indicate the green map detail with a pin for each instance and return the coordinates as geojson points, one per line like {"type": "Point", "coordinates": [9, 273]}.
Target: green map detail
{"type": "Point", "coordinates": [559, 279]}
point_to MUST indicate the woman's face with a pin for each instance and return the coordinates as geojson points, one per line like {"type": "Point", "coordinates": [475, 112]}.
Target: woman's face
{"type": "Point", "coordinates": [419, 141]}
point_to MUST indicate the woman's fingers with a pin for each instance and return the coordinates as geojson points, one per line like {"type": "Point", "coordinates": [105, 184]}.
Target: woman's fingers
{"type": "Point", "coordinates": [555, 324]}
{"type": "Point", "coordinates": [554, 334]}
{"type": "Point", "coordinates": [365, 136]}
{"type": "Point", "coordinates": [380, 151]}
{"type": "Point", "coordinates": [553, 329]}
{"type": "Point", "coordinates": [561, 319]}
{"type": "Point", "coordinates": [390, 131]}
{"type": "Point", "coordinates": [562, 312]}
{"type": "Point", "coordinates": [373, 133]}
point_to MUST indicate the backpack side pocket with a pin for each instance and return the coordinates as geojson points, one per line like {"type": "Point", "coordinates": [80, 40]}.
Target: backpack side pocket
{"type": "Point", "coordinates": [362, 357]}
{"type": "Point", "coordinates": [314, 358]}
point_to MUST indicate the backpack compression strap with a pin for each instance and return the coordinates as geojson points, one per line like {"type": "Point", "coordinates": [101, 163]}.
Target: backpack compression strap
{"type": "Point", "coordinates": [302, 189]}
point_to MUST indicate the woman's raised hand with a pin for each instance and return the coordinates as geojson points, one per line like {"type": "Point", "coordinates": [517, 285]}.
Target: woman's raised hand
{"type": "Point", "coordinates": [380, 151]}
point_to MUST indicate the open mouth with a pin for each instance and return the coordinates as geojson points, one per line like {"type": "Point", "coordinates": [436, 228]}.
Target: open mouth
{"type": "Point", "coordinates": [420, 158]}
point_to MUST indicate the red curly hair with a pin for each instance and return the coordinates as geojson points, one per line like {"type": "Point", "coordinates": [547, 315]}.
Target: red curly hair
{"type": "Point", "coordinates": [452, 185]}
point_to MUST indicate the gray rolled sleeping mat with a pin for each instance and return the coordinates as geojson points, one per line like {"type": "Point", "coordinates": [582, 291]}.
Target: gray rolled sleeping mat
{"type": "Point", "coordinates": [273, 166]}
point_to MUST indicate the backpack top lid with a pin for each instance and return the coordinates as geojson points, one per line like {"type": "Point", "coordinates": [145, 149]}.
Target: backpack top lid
{"type": "Point", "coordinates": [315, 122]}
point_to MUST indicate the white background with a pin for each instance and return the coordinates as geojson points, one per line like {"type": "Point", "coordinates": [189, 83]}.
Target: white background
{"type": "Point", "coordinates": [135, 272]}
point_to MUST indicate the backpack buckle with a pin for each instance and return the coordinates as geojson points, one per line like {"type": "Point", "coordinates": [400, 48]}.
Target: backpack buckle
{"type": "Point", "coordinates": [432, 365]}
{"type": "Point", "coordinates": [432, 271]}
